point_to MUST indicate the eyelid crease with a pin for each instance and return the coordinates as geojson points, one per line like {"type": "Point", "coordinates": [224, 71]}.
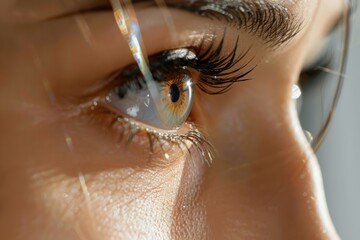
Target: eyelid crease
{"type": "Point", "coordinates": [272, 22]}
{"type": "Point", "coordinates": [218, 70]}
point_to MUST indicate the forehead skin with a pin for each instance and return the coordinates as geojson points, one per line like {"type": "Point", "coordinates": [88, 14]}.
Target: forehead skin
{"type": "Point", "coordinates": [42, 9]}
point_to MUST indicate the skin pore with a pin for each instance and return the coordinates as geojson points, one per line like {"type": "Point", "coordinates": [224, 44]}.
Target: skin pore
{"type": "Point", "coordinates": [64, 177]}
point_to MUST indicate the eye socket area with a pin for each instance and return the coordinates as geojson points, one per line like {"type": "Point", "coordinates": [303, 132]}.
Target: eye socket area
{"type": "Point", "coordinates": [212, 68]}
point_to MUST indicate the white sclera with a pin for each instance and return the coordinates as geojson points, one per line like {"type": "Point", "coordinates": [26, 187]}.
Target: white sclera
{"type": "Point", "coordinates": [140, 106]}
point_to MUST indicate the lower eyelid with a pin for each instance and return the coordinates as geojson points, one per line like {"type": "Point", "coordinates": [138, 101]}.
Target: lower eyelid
{"type": "Point", "coordinates": [125, 132]}
{"type": "Point", "coordinates": [161, 143]}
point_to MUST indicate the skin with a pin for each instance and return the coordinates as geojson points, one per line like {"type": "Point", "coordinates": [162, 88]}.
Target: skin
{"type": "Point", "coordinates": [63, 178]}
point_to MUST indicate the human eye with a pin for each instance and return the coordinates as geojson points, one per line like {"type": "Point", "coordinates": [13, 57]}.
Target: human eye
{"type": "Point", "coordinates": [178, 76]}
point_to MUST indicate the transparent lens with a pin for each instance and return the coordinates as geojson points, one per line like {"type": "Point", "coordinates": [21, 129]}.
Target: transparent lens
{"type": "Point", "coordinates": [318, 90]}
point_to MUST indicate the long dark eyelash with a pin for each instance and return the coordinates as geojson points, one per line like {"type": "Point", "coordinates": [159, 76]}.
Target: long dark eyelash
{"type": "Point", "coordinates": [215, 67]}
{"type": "Point", "coordinates": [155, 138]}
{"type": "Point", "coordinates": [216, 74]}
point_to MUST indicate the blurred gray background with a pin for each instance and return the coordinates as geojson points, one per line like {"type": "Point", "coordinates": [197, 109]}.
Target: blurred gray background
{"type": "Point", "coordinates": [339, 155]}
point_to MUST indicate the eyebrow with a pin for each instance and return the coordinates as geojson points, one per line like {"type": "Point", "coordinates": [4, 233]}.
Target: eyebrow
{"type": "Point", "coordinates": [274, 23]}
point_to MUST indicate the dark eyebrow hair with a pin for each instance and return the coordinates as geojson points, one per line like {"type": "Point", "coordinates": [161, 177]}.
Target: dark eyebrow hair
{"type": "Point", "coordinates": [272, 22]}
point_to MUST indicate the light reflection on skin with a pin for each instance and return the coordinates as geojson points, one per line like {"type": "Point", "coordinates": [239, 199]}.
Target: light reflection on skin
{"type": "Point", "coordinates": [263, 184]}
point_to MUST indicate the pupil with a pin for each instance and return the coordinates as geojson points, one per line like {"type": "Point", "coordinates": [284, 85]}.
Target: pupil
{"type": "Point", "coordinates": [174, 93]}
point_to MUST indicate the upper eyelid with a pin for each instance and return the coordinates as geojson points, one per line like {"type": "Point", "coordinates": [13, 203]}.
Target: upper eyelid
{"type": "Point", "coordinates": [271, 22]}
{"type": "Point", "coordinates": [215, 66]}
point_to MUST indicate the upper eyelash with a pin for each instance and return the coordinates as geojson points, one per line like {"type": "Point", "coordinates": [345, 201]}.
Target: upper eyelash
{"type": "Point", "coordinates": [215, 68]}
{"type": "Point", "coordinates": [216, 74]}
{"type": "Point", "coordinates": [267, 20]}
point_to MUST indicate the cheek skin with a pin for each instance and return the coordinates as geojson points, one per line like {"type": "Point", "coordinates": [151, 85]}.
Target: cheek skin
{"type": "Point", "coordinates": [124, 203]}
{"type": "Point", "coordinates": [124, 196]}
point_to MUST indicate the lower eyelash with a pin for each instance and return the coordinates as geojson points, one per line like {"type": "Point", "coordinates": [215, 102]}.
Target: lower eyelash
{"type": "Point", "coordinates": [128, 132]}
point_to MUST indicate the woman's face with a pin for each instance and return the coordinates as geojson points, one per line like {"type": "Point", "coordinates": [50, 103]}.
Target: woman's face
{"type": "Point", "coordinates": [82, 157]}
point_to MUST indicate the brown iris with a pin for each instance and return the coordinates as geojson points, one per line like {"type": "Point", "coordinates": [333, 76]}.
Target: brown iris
{"type": "Point", "coordinates": [176, 97]}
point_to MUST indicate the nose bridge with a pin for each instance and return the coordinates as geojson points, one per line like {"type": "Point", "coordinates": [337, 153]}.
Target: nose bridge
{"type": "Point", "coordinates": [265, 179]}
